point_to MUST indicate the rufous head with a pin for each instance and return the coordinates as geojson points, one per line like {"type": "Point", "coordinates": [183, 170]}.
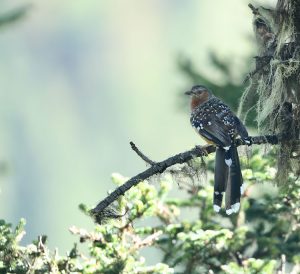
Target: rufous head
{"type": "Point", "coordinates": [199, 95]}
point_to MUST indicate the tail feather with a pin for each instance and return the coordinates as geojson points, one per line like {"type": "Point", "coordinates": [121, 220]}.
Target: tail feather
{"type": "Point", "coordinates": [228, 155]}
{"type": "Point", "coordinates": [234, 184]}
{"type": "Point", "coordinates": [240, 172]}
{"type": "Point", "coordinates": [221, 177]}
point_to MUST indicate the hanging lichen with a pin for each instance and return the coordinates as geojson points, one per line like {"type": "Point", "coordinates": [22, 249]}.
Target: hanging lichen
{"type": "Point", "coordinates": [274, 88]}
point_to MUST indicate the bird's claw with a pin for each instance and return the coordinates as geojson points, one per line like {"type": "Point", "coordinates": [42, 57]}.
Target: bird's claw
{"type": "Point", "coordinates": [203, 150]}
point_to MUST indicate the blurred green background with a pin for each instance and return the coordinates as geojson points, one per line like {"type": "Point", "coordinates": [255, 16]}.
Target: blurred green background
{"type": "Point", "coordinates": [80, 79]}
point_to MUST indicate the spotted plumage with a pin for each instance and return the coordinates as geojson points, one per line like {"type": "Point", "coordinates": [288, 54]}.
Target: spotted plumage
{"type": "Point", "coordinates": [214, 121]}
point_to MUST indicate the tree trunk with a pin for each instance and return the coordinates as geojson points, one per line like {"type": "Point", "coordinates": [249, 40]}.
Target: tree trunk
{"type": "Point", "coordinates": [275, 83]}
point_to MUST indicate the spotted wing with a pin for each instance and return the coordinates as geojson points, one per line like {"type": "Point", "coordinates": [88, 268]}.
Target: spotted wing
{"type": "Point", "coordinates": [241, 130]}
{"type": "Point", "coordinates": [216, 122]}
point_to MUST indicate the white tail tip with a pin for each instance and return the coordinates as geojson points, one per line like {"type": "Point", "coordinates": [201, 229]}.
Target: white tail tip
{"type": "Point", "coordinates": [235, 208]}
{"type": "Point", "coordinates": [229, 211]}
{"type": "Point", "coordinates": [228, 162]}
{"type": "Point", "coordinates": [217, 208]}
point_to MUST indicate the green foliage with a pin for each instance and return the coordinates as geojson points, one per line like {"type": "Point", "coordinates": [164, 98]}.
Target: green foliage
{"type": "Point", "coordinates": [13, 16]}
{"type": "Point", "coordinates": [188, 235]}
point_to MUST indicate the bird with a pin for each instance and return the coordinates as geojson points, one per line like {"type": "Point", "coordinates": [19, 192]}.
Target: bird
{"type": "Point", "coordinates": [214, 121]}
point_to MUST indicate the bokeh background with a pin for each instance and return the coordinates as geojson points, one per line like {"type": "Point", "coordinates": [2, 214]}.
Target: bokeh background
{"type": "Point", "coordinates": [80, 79]}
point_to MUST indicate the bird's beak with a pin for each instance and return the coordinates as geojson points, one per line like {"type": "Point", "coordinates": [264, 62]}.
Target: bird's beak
{"type": "Point", "coordinates": [188, 92]}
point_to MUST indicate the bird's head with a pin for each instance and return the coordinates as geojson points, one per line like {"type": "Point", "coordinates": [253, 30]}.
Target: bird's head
{"type": "Point", "coordinates": [199, 95]}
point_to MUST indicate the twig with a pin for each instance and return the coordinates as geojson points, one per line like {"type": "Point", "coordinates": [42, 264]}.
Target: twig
{"type": "Point", "coordinates": [160, 167]}
{"type": "Point", "coordinates": [239, 258]}
{"type": "Point", "coordinates": [254, 9]}
{"type": "Point", "coordinates": [281, 269]}
{"type": "Point", "coordinates": [148, 241]}
{"type": "Point", "coordinates": [259, 66]}
{"type": "Point", "coordinates": [143, 156]}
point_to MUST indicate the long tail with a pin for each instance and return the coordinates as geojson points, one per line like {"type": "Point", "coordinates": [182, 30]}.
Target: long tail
{"type": "Point", "coordinates": [221, 178]}
{"type": "Point", "coordinates": [234, 187]}
{"type": "Point", "coordinates": [228, 179]}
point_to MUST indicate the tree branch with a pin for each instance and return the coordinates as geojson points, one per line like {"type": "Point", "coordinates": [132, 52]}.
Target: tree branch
{"type": "Point", "coordinates": [99, 212]}
{"type": "Point", "coordinates": [254, 10]}
{"type": "Point", "coordinates": [142, 155]}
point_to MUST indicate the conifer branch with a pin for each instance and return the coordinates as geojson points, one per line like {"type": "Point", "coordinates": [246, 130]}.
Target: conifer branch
{"type": "Point", "coordinates": [103, 210]}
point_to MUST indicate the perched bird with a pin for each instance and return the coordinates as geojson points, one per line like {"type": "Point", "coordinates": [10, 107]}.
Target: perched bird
{"type": "Point", "coordinates": [218, 125]}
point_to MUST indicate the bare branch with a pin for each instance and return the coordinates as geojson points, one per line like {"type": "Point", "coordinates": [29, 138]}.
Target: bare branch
{"type": "Point", "coordinates": [254, 10]}
{"type": "Point", "coordinates": [159, 167]}
{"type": "Point", "coordinates": [143, 156]}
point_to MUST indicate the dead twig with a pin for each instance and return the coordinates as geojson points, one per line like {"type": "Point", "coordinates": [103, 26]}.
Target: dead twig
{"type": "Point", "coordinates": [142, 155]}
